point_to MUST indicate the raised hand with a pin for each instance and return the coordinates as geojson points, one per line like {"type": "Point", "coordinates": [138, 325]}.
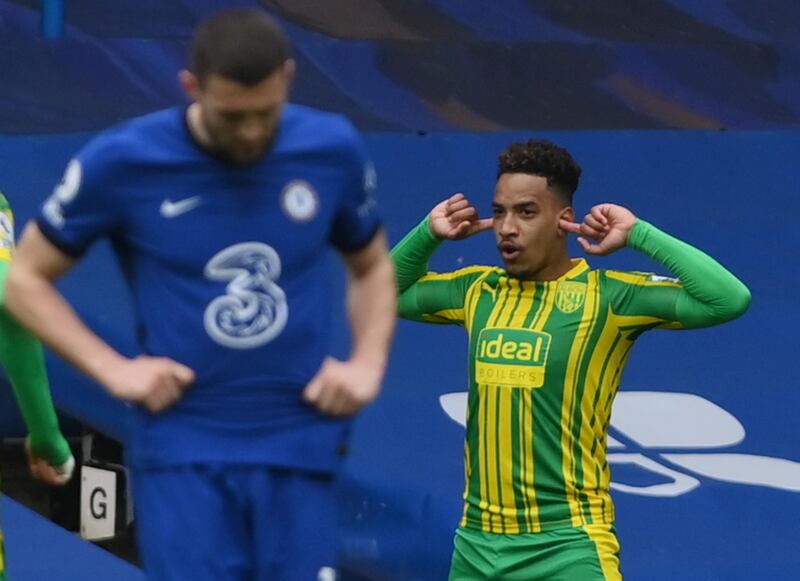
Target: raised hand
{"type": "Point", "coordinates": [342, 388]}
{"type": "Point", "coordinates": [456, 218]}
{"type": "Point", "coordinates": [154, 382]}
{"type": "Point", "coordinates": [608, 225]}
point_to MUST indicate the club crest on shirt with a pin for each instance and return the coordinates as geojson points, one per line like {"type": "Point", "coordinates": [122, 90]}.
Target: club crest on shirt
{"type": "Point", "coordinates": [570, 296]}
{"type": "Point", "coordinates": [299, 201]}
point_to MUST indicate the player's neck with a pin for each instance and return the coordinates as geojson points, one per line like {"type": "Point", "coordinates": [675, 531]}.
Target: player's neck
{"type": "Point", "coordinates": [553, 270]}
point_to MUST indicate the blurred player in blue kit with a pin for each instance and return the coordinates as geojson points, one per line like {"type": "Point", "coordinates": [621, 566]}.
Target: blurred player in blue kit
{"type": "Point", "coordinates": [219, 214]}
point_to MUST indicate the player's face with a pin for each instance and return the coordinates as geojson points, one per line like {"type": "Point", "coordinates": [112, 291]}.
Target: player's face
{"type": "Point", "coordinates": [526, 225]}
{"type": "Point", "coordinates": [241, 121]}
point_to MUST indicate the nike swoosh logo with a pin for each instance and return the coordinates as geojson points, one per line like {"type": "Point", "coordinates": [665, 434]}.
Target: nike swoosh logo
{"type": "Point", "coordinates": [170, 209]}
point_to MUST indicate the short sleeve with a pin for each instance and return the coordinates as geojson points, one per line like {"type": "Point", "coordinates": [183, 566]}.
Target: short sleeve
{"type": "Point", "coordinates": [441, 298]}
{"type": "Point", "coordinates": [80, 209]}
{"type": "Point", "coordinates": [647, 298]}
{"type": "Point", "coordinates": [356, 220]}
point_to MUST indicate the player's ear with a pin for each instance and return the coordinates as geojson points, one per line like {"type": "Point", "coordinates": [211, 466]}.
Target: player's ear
{"type": "Point", "coordinates": [567, 213]}
{"type": "Point", "coordinates": [289, 69]}
{"type": "Point", "coordinates": [190, 84]}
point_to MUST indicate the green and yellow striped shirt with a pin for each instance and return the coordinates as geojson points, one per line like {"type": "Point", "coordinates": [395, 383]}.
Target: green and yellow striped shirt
{"type": "Point", "coordinates": [546, 360]}
{"type": "Point", "coordinates": [6, 229]}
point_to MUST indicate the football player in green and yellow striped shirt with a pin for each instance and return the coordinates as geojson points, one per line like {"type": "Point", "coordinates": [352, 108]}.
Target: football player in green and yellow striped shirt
{"type": "Point", "coordinates": [548, 340]}
{"type": "Point", "coordinates": [49, 456]}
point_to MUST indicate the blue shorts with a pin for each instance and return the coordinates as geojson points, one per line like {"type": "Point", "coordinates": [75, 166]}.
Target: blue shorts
{"type": "Point", "coordinates": [235, 523]}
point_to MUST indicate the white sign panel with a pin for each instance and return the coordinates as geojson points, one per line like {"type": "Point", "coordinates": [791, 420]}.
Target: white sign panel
{"type": "Point", "coordinates": [98, 503]}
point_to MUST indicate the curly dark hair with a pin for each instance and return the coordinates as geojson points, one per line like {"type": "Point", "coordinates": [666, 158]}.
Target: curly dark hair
{"type": "Point", "coordinates": [542, 158]}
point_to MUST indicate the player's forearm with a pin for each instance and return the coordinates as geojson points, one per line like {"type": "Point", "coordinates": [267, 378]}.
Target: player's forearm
{"type": "Point", "coordinates": [712, 293]}
{"type": "Point", "coordinates": [412, 254]}
{"type": "Point", "coordinates": [23, 360]}
{"type": "Point", "coordinates": [36, 303]}
{"type": "Point", "coordinates": [372, 305]}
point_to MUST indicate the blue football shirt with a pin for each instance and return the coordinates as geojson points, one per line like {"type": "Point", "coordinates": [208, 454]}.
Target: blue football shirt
{"type": "Point", "coordinates": [227, 270]}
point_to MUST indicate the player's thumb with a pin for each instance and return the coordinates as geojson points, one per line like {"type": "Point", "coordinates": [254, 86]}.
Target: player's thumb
{"type": "Point", "coordinates": [314, 388]}
{"type": "Point", "coordinates": [183, 374]}
{"type": "Point", "coordinates": [316, 385]}
{"type": "Point", "coordinates": [588, 248]}
{"type": "Point", "coordinates": [593, 249]}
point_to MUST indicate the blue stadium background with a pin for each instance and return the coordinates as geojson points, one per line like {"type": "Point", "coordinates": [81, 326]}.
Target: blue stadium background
{"type": "Point", "coordinates": [687, 112]}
